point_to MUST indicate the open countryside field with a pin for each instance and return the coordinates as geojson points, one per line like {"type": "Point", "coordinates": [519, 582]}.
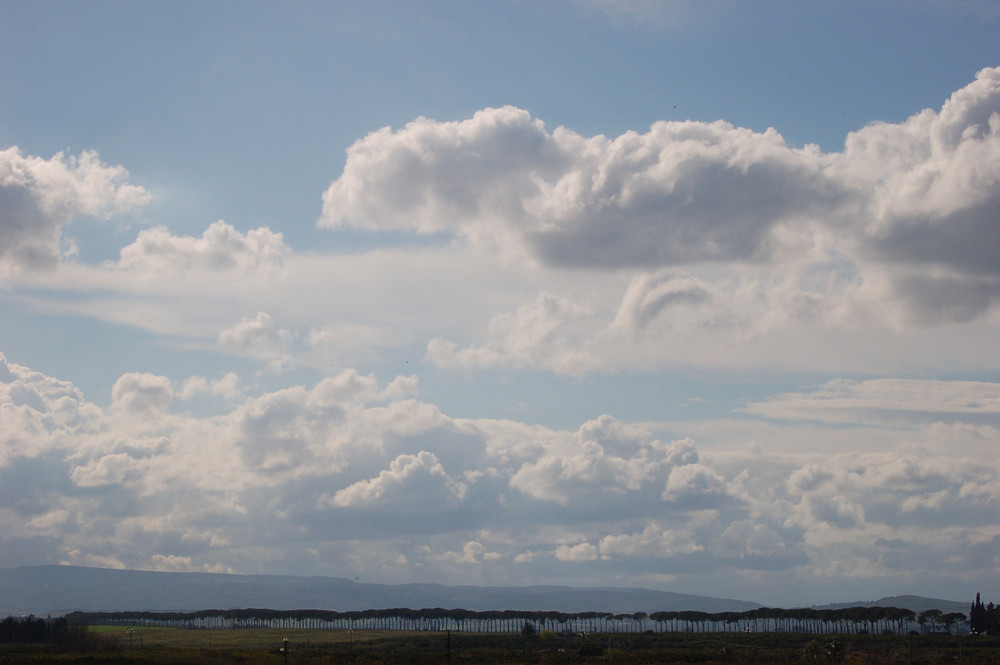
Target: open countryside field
{"type": "Point", "coordinates": [174, 646]}
{"type": "Point", "coordinates": [149, 637]}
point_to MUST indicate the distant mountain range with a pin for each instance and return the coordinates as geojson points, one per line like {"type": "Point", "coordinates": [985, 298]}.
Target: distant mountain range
{"type": "Point", "coordinates": [916, 603]}
{"type": "Point", "coordinates": [56, 590]}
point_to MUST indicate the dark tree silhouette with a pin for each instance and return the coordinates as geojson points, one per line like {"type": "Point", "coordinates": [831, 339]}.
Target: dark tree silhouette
{"type": "Point", "coordinates": [950, 619]}
{"type": "Point", "coordinates": [983, 619]}
{"type": "Point", "coordinates": [929, 616]}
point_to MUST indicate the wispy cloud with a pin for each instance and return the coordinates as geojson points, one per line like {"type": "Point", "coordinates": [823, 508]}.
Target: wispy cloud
{"type": "Point", "coordinates": [881, 400]}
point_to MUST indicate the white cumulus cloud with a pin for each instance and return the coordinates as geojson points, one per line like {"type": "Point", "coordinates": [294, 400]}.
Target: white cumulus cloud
{"type": "Point", "coordinates": [221, 247]}
{"type": "Point", "coordinates": [142, 393]}
{"type": "Point", "coordinates": [38, 197]}
{"type": "Point", "coordinates": [259, 337]}
{"type": "Point", "coordinates": [900, 223]}
{"type": "Point", "coordinates": [409, 478]}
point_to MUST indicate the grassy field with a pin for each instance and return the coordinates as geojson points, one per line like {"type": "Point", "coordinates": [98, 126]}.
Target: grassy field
{"type": "Point", "coordinates": [175, 646]}
{"type": "Point", "coordinates": [179, 638]}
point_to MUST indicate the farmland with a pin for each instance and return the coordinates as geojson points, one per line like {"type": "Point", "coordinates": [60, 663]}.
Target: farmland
{"type": "Point", "coordinates": [170, 646]}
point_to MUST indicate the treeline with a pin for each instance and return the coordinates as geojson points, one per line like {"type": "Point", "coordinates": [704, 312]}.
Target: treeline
{"type": "Point", "coordinates": [57, 634]}
{"type": "Point", "coordinates": [854, 620]}
{"type": "Point", "coordinates": [34, 630]}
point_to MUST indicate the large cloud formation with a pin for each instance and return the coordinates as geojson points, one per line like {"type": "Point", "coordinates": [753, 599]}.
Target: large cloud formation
{"type": "Point", "coordinates": [907, 210]}
{"type": "Point", "coordinates": [351, 476]}
{"type": "Point", "coordinates": [682, 193]}
{"type": "Point", "coordinates": [693, 244]}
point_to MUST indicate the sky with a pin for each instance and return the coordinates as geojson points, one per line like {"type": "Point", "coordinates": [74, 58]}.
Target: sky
{"type": "Point", "coordinates": [693, 296]}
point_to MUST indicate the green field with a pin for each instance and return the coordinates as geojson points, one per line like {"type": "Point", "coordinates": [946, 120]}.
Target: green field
{"type": "Point", "coordinates": [174, 646]}
{"type": "Point", "coordinates": [262, 639]}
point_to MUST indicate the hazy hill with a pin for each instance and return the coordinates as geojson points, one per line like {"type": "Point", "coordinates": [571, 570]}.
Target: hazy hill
{"type": "Point", "coordinates": [916, 603]}
{"type": "Point", "coordinates": [43, 590]}
{"type": "Point", "coordinates": [55, 590]}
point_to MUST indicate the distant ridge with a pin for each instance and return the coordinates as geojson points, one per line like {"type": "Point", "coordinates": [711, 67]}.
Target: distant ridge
{"type": "Point", "coordinates": [916, 603]}
{"type": "Point", "coordinates": [56, 590]}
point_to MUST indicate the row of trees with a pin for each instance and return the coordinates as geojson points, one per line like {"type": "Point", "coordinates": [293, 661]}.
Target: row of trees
{"type": "Point", "coordinates": [934, 618]}
{"type": "Point", "coordinates": [833, 621]}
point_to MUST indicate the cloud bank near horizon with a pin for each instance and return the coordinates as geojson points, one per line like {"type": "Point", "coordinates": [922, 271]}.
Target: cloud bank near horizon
{"type": "Point", "coordinates": [312, 477]}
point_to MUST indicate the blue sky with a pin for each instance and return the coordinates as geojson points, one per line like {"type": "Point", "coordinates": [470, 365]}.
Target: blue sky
{"type": "Point", "coordinates": [693, 296]}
